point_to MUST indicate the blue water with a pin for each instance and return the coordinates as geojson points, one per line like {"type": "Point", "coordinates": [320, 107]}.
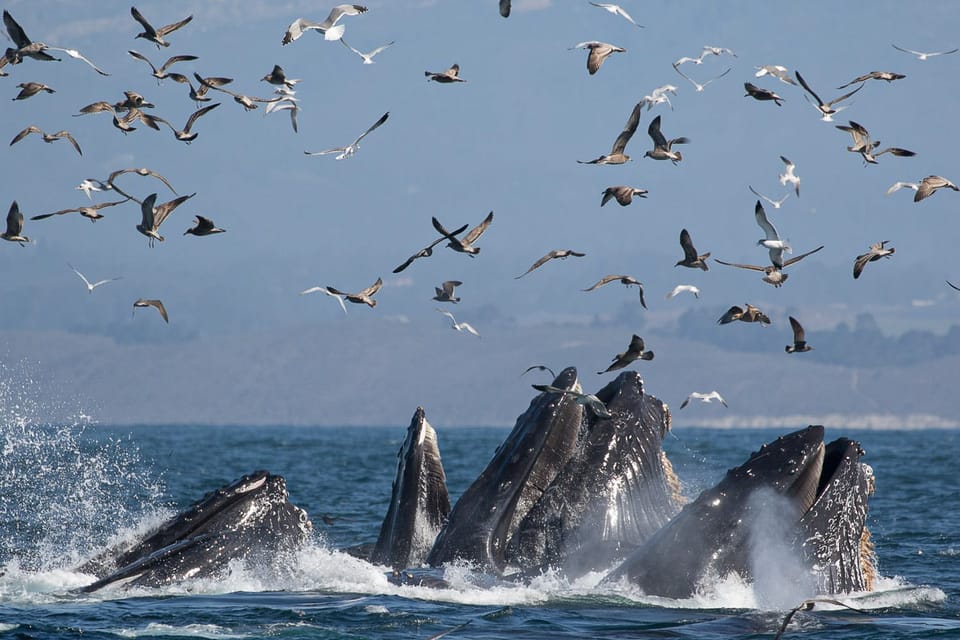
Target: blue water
{"type": "Point", "coordinates": [65, 491]}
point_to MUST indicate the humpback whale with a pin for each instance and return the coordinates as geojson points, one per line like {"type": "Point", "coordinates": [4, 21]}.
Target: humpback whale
{"type": "Point", "coordinates": [817, 493]}
{"type": "Point", "coordinates": [419, 504]}
{"type": "Point", "coordinates": [250, 519]}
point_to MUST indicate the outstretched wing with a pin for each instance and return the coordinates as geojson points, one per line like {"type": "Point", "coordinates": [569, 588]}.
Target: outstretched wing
{"type": "Point", "coordinates": [478, 230]}
{"type": "Point", "coordinates": [631, 127]}
{"type": "Point", "coordinates": [800, 257]}
{"type": "Point", "coordinates": [376, 124]}
{"type": "Point", "coordinates": [798, 333]}
{"type": "Point", "coordinates": [654, 132]}
{"type": "Point", "coordinates": [689, 251]}
{"type": "Point", "coordinates": [765, 224]}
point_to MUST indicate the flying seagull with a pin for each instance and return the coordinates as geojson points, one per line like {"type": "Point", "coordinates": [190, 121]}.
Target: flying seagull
{"type": "Point", "coordinates": [459, 326]}
{"type": "Point", "coordinates": [142, 302]}
{"type": "Point", "coordinates": [877, 251]}
{"type": "Point", "coordinates": [47, 137]}
{"type": "Point", "coordinates": [14, 232]}
{"type": "Point", "coordinates": [329, 27]}
{"type": "Point", "coordinates": [662, 148]}
{"type": "Point", "coordinates": [161, 73]}
{"type": "Point", "coordinates": [617, 155]}
{"type": "Point", "coordinates": [799, 338]}
{"type": "Point", "coordinates": [690, 256]}
{"type": "Point", "coordinates": [203, 227]}
{"type": "Point", "coordinates": [623, 195]}
{"type": "Point", "coordinates": [588, 400]}
{"type": "Point", "coordinates": [30, 89]}
{"type": "Point", "coordinates": [25, 46]}
{"type": "Point", "coordinates": [445, 292]}
{"type": "Point", "coordinates": [92, 184]}
{"type": "Point", "coordinates": [771, 239]}
{"type": "Point", "coordinates": [616, 10]}
{"type": "Point", "coordinates": [778, 71]}
{"type": "Point", "coordinates": [634, 352]}
{"type": "Point", "coordinates": [923, 56]}
{"type": "Point", "coordinates": [362, 297]}
{"type": "Point", "coordinates": [789, 175]}
{"type": "Point", "coordinates": [140, 171]}
{"type": "Point", "coordinates": [599, 51]}
{"type": "Point", "coordinates": [659, 96]}
{"type": "Point", "coordinates": [91, 212]}
{"type": "Point", "coordinates": [465, 245]}
{"type": "Point", "coordinates": [326, 291]}
{"type": "Point", "coordinates": [889, 76]}
{"type": "Point", "coordinates": [684, 288]}
{"type": "Point", "coordinates": [562, 254]}
{"type": "Point", "coordinates": [153, 216]}
{"type": "Point", "coordinates": [747, 314]}
{"type": "Point", "coordinates": [353, 147]}
{"type": "Point", "coordinates": [925, 188]}
{"type": "Point", "coordinates": [703, 397]}
{"type": "Point", "coordinates": [542, 367]}
{"type": "Point", "coordinates": [366, 57]}
{"type": "Point", "coordinates": [776, 203]}
{"type": "Point", "coordinates": [825, 108]}
{"type": "Point", "coordinates": [863, 145]}
{"type": "Point", "coordinates": [624, 280]}
{"type": "Point", "coordinates": [427, 251]}
{"type": "Point", "coordinates": [185, 135]}
{"type": "Point", "coordinates": [90, 286]}
{"type": "Point", "coordinates": [156, 35]}
{"type": "Point", "coordinates": [247, 102]}
{"type": "Point", "coordinates": [698, 86]}
{"type": "Point", "coordinates": [773, 274]}
{"type": "Point", "coordinates": [279, 78]}
{"type": "Point", "coordinates": [445, 77]}
{"type": "Point", "coordinates": [757, 93]}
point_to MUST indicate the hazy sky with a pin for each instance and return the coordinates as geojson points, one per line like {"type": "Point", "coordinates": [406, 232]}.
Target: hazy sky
{"type": "Point", "coordinates": [506, 141]}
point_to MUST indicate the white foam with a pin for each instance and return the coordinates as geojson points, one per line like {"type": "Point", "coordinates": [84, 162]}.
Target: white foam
{"type": "Point", "coordinates": [211, 631]}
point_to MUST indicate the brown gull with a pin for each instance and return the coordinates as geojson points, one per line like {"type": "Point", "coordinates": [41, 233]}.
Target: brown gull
{"type": "Point", "coordinates": [624, 280]}
{"type": "Point", "coordinates": [156, 35]}
{"type": "Point", "coordinates": [617, 155]}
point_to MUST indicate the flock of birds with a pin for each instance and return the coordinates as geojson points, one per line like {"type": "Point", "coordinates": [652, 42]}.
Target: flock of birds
{"type": "Point", "coordinates": [134, 110]}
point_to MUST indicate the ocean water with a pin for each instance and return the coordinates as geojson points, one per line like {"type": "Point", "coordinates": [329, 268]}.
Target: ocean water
{"type": "Point", "coordinates": [66, 491]}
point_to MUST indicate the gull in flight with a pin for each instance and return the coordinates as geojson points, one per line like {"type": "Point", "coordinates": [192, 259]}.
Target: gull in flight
{"type": "Point", "coordinates": [747, 314]}
{"type": "Point", "coordinates": [287, 102]}
{"type": "Point", "coordinates": [598, 53]}
{"type": "Point", "coordinates": [616, 10]}
{"type": "Point", "coordinates": [92, 184]}
{"type": "Point", "coordinates": [863, 145]}
{"type": "Point", "coordinates": [617, 155]}
{"type": "Point", "coordinates": [14, 232]}
{"type": "Point", "coordinates": [427, 251]}
{"type": "Point", "coordinates": [353, 147]}
{"type": "Point", "coordinates": [799, 338]}
{"type": "Point", "coordinates": [684, 288]}
{"type": "Point", "coordinates": [279, 78]}
{"type": "Point", "coordinates": [776, 203]}
{"type": "Point", "coordinates": [771, 241]}
{"type": "Point", "coordinates": [757, 93]}
{"type": "Point", "coordinates": [789, 175]}
{"type": "Point", "coordinates": [362, 297]}
{"type": "Point", "coordinates": [543, 367]}
{"type": "Point", "coordinates": [445, 292]}
{"type": "Point", "coordinates": [203, 227]}
{"type": "Point", "coordinates": [35, 50]}
{"type": "Point", "coordinates": [778, 71]}
{"type": "Point", "coordinates": [247, 102]}
{"type": "Point", "coordinates": [659, 96]}
{"type": "Point", "coordinates": [925, 188]}
{"type": "Point", "coordinates": [185, 135]}
{"type": "Point", "coordinates": [773, 274]}
{"type": "Point", "coordinates": [153, 216]}
{"type": "Point", "coordinates": [90, 287]}
{"type": "Point", "coordinates": [466, 244]}
{"type": "Point", "coordinates": [889, 76]}
{"type": "Point", "coordinates": [825, 108]}
{"type": "Point", "coordinates": [662, 148]}
{"type": "Point", "coordinates": [635, 351]}
{"type": "Point", "coordinates": [156, 35]}
{"type": "Point", "coordinates": [326, 291]}
{"type": "Point", "coordinates": [445, 77]}
{"type": "Point", "coordinates": [91, 212]}
{"type": "Point", "coordinates": [156, 304]}
{"type": "Point", "coordinates": [329, 27]}
{"type": "Point", "coordinates": [161, 73]}
{"type": "Point", "coordinates": [140, 171]}
{"type": "Point", "coordinates": [588, 400]}
{"type": "Point", "coordinates": [458, 326]}
{"type": "Point", "coordinates": [366, 57]}
{"type": "Point", "coordinates": [623, 195]}
{"type": "Point", "coordinates": [923, 56]}
{"type": "Point", "coordinates": [562, 254]}
{"type": "Point", "coordinates": [690, 256]}
{"type": "Point", "coordinates": [624, 280]}
{"type": "Point", "coordinates": [47, 137]}
{"type": "Point", "coordinates": [877, 251]}
{"type": "Point", "coordinates": [30, 89]}
{"type": "Point", "coordinates": [700, 87]}
{"type": "Point", "coordinates": [703, 397]}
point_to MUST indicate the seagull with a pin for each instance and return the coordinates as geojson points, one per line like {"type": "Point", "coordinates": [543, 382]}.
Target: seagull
{"type": "Point", "coordinates": [757, 93]}
{"type": "Point", "coordinates": [617, 155]}
{"type": "Point", "coordinates": [366, 57]}
{"type": "Point", "coordinates": [14, 232]}
{"type": "Point", "coordinates": [91, 212]}
{"type": "Point", "coordinates": [161, 73]}
{"type": "Point", "coordinates": [279, 78]}
{"type": "Point", "coordinates": [542, 367]}
{"type": "Point", "coordinates": [634, 352]}
{"type": "Point", "coordinates": [142, 302]}
{"type": "Point", "coordinates": [771, 241]}
{"type": "Point", "coordinates": [466, 244]}
{"type": "Point", "coordinates": [156, 35]}
{"type": "Point", "coordinates": [445, 77]}
{"type": "Point", "coordinates": [923, 56]}
{"type": "Point", "coordinates": [825, 108]}
{"type": "Point", "coordinates": [140, 171]}
{"type": "Point", "coordinates": [623, 195]}
{"type": "Point", "coordinates": [47, 137]}
{"type": "Point", "coordinates": [925, 188]}
{"type": "Point", "coordinates": [700, 87]}
{"type": "Point", "coordinates": [690, 256]}
{"type": "Point", "coordinates": [624, 280]}
{"type": "Point", "coordinates": [588, 400]}
{"type": "Point", "coordinates": [748, 314]}
{"type": "Point", "coordinates": [799, 340]}
{"type": "Point", "coordinates": [889, 76]}
{"type": "Point", "coordinates": [90, 287]}
{"type": "Point", "coordinates": [186, 135]}
{"type": "Point", "coordinates": [326, 291]}
{"type": "Point", "coordinates": [445, 291]}
{"type": "Point", "coordinates": [779, 72]}
{"type": "Point", "coordinates": [25, 46]}
{"type": "Point", "coordinates": [30, 89]}
{"type": "Point", "coordinates": [772, 274]}
{"type": "Point", "coordinates": [203, 227]}
{"type": "Point", "coordinates": [556, 253]}
{"type": "Point", "coordinates": [329, 27]}
{"type": "Point", "coordinates": [684, 288]}
{"type": "Point", "coordinates": [598, 53]}
{"type": "Point", "coordinates": [790, 176]}
{"type": "Point", "coordinates": [659, 96]}
{"type": "Point", "coordinates": [91, 184]}
{"type": "Point", "coordinates": [703, 397]}
{"type": "Point", "coordinates": [353, 147]}
{"type": "Point", "coordinates": [616, 10]}
{"type": "Point", "coordinates": [459, 326]}
{"type": "Point", "coordinates": [363, 297]}
{"type": "Point", "coordinates": [877, 251]}
{"type": "Point", "coordinates": [247, 102]}
{"type": "Point", "coordinates": [199, 94]}
{"type": "Point", "coordinates": [717, 51]}
{"type": "Point", "coordinates": [287, 102]}
{"type": "Point", "coordinates": [863, 145]}
{"type": "Point", "coordinates": [505, 8]}
{"type": "Point", "coordinates": [76, 55]}
{"type": "Point", "coordinates": [427, 251]}
{"type": "Point", "coordinates": [153, 216]}
{"type": "Point", "coordinates": [662, 148]}
{"type": "Point", "coordinates": [776, 203]}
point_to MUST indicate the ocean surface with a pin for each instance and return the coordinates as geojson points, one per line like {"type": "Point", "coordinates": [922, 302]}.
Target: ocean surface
{"type": "Point", "coordinates": [66, 491]}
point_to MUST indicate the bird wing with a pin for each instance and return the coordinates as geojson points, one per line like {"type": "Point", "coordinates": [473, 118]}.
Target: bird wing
{"type": "Point", "coordinates": [175, 59]}
{"type": "Point", "coordinates": [636, 344]}
{"type": "Point", "coordinates": [23, 134]}
{"type": "Point", "coordinates": [73, 141]}
{"type": "Point", "coordinates": [16, 32]}
{"type": "Point", "coordinates": [803, 83]}
{"type": "Point", "coordinates": [147, 211]}
{"type": "Point", "coordinates": [478, 230]}
{"type": "Point", "coordinates": [164, 30]}
{"type": "Point", "coordinates": [741, 266]}
{"type": "Point", "coordinates": [896, 186]}
{"type": "Point", "coordinates": [76, 55]}
{"type": "Point", "coordinates": [628, 130]}
{"type": "Point", "coordinates": [538, 263]}
{"type": "Point", "coordinates": [143, 21]}
{"type": "Point", "coordinates": [296, 29]}
{"type": "Point", "coordinates": [449, 286]}
{"type": "Point", "coordinates": [732, 314]}
{"type": "Point", "coordinates": [196, 114]}
{"type": "Point", "coordinates": [372, 289]}
{"type": "Point", "coordinates": [505, 8]}
{"type": "Point", "coordinates": [603, 281]}
{"type": "Point", "coordinates": [798, 333]}
{"type": "Point", "coordinates": [82, 277]}
{"type": "Point", "coordinates": [844, 96]}
{"type": "Point", "coordinates": [379, 49]}
{"type": "Point", "coordinates": [689, 251]}
{"type": "Point", "coordinates": [765, 224]}
{"type": "Point", "coordinates": [376, 124]}
{"type": "Point", "coordinates": [654, 132]}
{"type": "Point", "coordinates": [800, 257]}
{"type": "Point", "coordinates": [861, 262]}
{"type": "Point", "coordinates": [165, 209]}
{"type": "Point", "coordinates": [140, 56]}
